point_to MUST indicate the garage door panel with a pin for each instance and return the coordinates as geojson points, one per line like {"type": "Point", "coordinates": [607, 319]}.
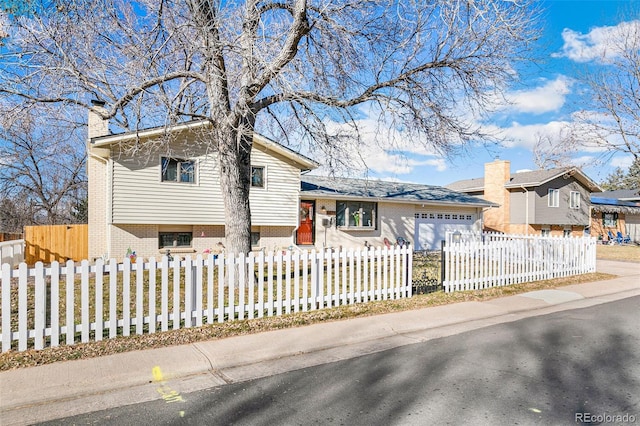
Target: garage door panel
{"type": "Point", "coordinates": [430, 233]}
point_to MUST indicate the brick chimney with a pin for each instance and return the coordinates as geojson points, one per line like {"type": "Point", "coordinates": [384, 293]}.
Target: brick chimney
{"type": "Point", "coordinates": [97, 176]}
{"type": "Point", "coordinates": [496, 175]}
{"type": "Point", "coordinates": [97, 126]}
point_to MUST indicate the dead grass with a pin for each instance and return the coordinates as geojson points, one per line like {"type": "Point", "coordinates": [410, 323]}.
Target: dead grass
{"type": "Point", "coordinates": [12, 360]}
{"type": "Point", "coordinates": [628, 253]}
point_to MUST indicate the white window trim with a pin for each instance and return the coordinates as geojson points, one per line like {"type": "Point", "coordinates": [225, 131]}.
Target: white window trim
{"type": "Point", "coordinates": [578, 197]}
{"type": "Point", "coordinates": [554, 198]}
{"type": "Point", "coordinates": [360, 227]}
{"type": "Point", "coordinates": [196, 170]}
{"type": "Point", "coordinates": [265, 180]}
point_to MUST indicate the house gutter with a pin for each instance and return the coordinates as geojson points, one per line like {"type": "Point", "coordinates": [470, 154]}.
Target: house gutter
{"type": "Point", "coordinates": [526, 212]}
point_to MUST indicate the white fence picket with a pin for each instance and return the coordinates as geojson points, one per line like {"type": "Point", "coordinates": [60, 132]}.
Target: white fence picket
{"type": "Point", "coordinates": [115, 299]}
{"type": "Point", "coordinates": [500, 259]}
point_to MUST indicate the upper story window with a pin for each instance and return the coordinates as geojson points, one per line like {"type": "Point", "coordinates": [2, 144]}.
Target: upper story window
{"type": "Point", "coordinates": [554, 198]}
{"type": "Point", "coordinates": [178, 170]}
{"type": "Point", "coordinates": [356, 214]}
{"type": "Point", "coordinates": [574, 200]}
{"type": "Point", "coordinates": [257, 176]}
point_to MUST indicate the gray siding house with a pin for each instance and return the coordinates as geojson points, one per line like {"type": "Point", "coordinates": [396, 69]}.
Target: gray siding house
{"type": "Point", "coordinates": [542, 202]}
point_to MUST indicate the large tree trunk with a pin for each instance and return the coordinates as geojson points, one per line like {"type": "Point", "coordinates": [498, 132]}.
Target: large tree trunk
{"type": "Point", "coordinates": [235, 181]}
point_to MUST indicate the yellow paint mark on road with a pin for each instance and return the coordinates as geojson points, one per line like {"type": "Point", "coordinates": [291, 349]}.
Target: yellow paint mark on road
{"type": "Point", "coordinates": [157, 374]}
{"type": "Point", "coordinates": [168, 394]}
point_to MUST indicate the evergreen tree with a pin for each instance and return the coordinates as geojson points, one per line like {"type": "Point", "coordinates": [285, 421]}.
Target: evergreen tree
{"type": "Point", "coordinates": [620, 179]}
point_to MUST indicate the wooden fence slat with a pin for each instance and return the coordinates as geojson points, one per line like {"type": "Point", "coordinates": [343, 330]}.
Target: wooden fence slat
{"type": "Point", "coordinates": [40, 308]}
{"type": "Point", "coordinates": [176, 293]}
{"type": "Point", "coordinates": [152, 295]}
{"type": "Point", "coordinates": [54, 322]}
{"type": "Point", "coordinates": [139, 319]}
{"type": "Point", "coordinates": [47, 243]}
{"type": "Point", "coordinates": [113, 298]}
{"type": "Point", "coordinates": [251, 267]}
{"type": "Point", "coordinates": [126, 297]}
{"type": "Point", "coordinates": [6, 307]}
{"type": "Point", "coordinates": [84, 303]}
{"type": "Point", "coordinates": [22, 307]}
{"type": "Point", "coordinates": [99, 299]}
{"type": "Point", "coordinates": [70, 328]}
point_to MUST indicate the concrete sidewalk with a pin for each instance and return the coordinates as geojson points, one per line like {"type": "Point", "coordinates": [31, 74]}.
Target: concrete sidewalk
{"type": "Point", "coordinates": [68, 388]}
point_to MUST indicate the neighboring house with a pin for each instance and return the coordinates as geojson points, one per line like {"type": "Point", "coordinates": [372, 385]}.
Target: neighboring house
{"type": "Point", "coordinates": [616, 211]}
{"type": "Point", "coordinates": [350, 212]}
{"type": "Point", "coordinates": [540, 202]}
{"type": "Point", "coordinates": [152, 202]}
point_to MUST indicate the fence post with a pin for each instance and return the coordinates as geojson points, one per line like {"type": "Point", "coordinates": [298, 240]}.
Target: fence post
{"type": "Point", "coordinates": [443, 243]}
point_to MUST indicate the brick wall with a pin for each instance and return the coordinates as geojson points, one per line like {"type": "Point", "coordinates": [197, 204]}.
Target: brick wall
{"type": "Point", "coordinates": [496, 175]}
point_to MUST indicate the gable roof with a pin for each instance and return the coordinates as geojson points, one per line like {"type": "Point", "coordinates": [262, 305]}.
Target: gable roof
{"type": "Point", "coordinates": [528, 179]}
{"type": "Point", "coordinates": [343, 188]}
{"type": "Point", "coordinates": [262, 142]}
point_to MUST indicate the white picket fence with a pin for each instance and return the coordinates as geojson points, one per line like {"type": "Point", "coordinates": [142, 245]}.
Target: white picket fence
{"type": "Point", "coordinates": [12, 252]}
{"type": "Point", "coordinates": [94, 301]}
{"type": "Point", "coordinates": [502, 259]}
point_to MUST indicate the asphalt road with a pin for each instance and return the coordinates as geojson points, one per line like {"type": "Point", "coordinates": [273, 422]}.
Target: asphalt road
{"type": "Point", "coordinates": [573, 367]}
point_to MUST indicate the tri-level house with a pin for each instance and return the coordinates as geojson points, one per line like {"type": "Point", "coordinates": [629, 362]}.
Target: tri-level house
{"type": "Point", "coordinates": [168, 198]}
{"type": "Point", "coordinates": [539, 202]}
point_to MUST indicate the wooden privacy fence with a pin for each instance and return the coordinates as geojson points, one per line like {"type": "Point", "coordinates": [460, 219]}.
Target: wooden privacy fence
{"type": "Point", "coordinates": [95, 301]}
{"type": "Point", "coordinates": [60, 243]}
{"type": "Point", "coordinates": [501, 259]}
{"type": "Point", "coordinates": [9, 236]}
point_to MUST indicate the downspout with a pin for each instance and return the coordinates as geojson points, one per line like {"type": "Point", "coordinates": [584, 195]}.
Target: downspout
{"type": "Point", "coordinates": [526, 212]}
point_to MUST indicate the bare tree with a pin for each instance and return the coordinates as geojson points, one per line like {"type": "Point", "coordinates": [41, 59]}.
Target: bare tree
{"type": "Point", "coordinates": [553, 150]}
{"type": "Point", "coordinates": [428, 67]}
{"type": "Point", "coordinates": [612, 122]}
{"type": "Point", "coordinates": [42, 168]}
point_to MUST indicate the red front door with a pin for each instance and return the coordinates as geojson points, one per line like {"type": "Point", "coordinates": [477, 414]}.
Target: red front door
{"type": "Point", "coordinates": [305, 230]}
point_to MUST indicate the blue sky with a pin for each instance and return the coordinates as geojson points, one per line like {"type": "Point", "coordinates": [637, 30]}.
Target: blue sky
{"type": "Point", "coordinates": [544, 100]}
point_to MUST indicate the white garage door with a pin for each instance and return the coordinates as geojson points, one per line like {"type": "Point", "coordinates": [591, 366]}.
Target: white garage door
{"type": "Point", "coordinates": [432, 227]}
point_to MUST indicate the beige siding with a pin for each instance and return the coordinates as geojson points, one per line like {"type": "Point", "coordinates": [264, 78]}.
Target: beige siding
{"type": "Point", "coordinates": [394, 220]}
{"type": "Point", "coordinates": [277, 204]}
{"type": "Point", "coordinates": [140, 197]}
{"type": "Point", "coordinates": [143, 239]}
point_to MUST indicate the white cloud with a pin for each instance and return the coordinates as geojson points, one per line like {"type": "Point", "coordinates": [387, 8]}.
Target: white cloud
{"type": "Point", "coordinates": [624, 162]}
{"type": "Point", "coordinates": [550, 96]}
{"type": "Point", "coordinates": [584, 161]}
{"type": "Point", "coordinates": [599, 44]}
{"type": "Point", "coordinates": [384, 148]}
{"type": "Point", "coordinates": [527, 135]}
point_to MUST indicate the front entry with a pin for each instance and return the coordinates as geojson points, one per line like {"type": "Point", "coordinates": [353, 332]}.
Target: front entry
{"type": "Point", "coordinates": [305, 232]}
